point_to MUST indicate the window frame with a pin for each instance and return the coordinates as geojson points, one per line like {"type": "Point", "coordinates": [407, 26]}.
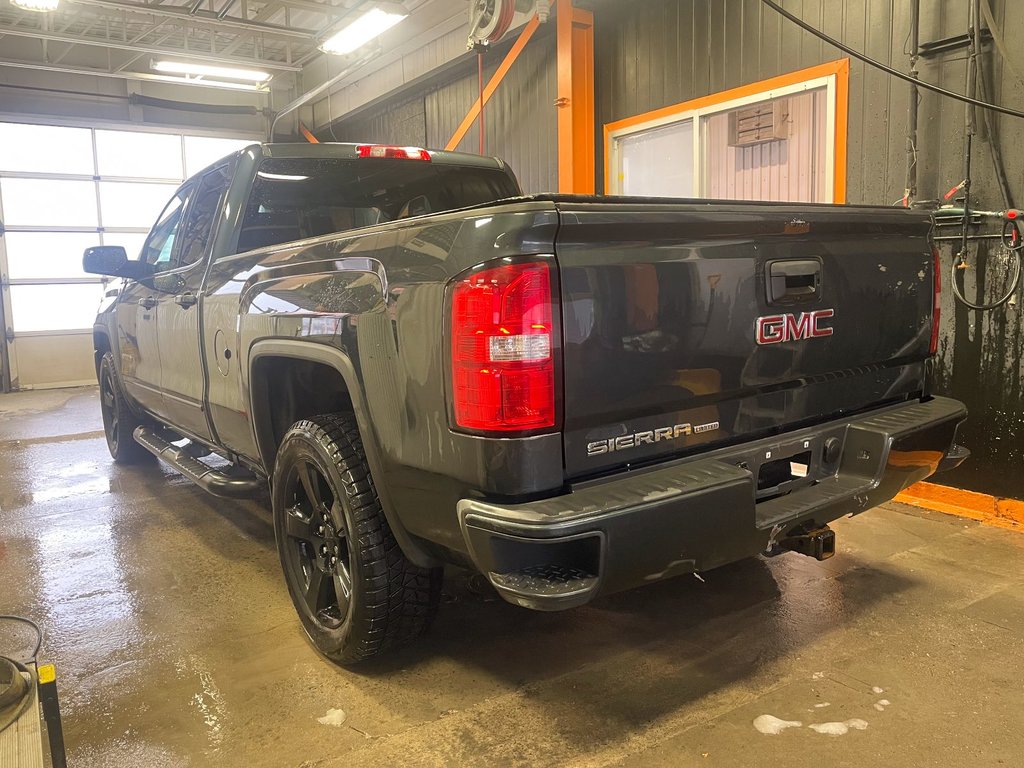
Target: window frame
{"type": "Point", "coordinates": [833, 76]}
{"type": "Point", "coordinates": [185, 192]}
{"type": "Point", "coordinates": [622, 138]}
{"type": "Point", "coordinates": [228, 167]}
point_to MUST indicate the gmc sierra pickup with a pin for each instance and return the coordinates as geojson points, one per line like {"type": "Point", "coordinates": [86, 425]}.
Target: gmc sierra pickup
{"type": "Point", "coordinates": [572, 395]}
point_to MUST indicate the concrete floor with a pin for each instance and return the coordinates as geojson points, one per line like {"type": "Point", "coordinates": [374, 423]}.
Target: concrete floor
{"type": "Point", "coordinates": [176, 644]}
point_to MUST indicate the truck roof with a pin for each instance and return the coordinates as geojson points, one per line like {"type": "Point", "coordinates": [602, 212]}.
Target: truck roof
{"type": "Point", "coordinates": [348, 150]}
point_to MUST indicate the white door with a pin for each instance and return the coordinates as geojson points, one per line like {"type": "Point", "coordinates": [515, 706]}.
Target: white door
{"type": "Point", "coordinates": [63, 189]}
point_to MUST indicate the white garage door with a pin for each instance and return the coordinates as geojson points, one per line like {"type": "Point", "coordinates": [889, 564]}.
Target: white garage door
{"type": "Point", "coordinates": [63, 189]}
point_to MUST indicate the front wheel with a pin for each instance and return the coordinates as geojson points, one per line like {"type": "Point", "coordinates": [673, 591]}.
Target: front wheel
{"type": "Point", "coordinates": [119, 422]}
{"type": "Point", "coordinates": [355, 591]}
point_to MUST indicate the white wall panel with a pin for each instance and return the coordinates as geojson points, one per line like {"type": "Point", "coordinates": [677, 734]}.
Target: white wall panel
{"type": "Point", "coordinates": [789, 169]}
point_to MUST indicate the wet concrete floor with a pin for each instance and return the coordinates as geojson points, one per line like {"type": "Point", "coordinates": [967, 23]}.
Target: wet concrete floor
{"type": "Point", "coordinates": [176, 644]}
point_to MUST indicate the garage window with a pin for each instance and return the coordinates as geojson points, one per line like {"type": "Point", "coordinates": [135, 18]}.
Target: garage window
{"type": "Point", "coordinates": [782, 139]}
{"type": "Point", "coordinates": [63, 189]}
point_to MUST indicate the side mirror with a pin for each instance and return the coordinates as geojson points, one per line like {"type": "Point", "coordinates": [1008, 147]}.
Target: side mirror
{"type": "Point", "coordinates": [113, 260]}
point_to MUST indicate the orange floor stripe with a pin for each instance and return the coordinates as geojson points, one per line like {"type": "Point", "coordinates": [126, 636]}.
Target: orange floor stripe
{"type": "Point", "coordinates": [1002, 513]}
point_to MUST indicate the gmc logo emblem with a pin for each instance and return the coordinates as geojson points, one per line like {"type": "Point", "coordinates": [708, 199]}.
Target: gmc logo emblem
{"type": "Point", "coordinates": [775, 329]}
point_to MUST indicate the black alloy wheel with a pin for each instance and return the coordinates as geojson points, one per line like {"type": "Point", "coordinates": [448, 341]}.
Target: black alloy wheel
{"type": "Point", "coordinates": [355, 591]}
{"type": "Point", "coordinates": [119, 422]}
{"type": "Point", "coordinates": [317, 548]}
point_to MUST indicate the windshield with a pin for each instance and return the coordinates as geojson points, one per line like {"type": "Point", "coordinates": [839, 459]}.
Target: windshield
{"type": "Point", "coordinates": [298, 198]}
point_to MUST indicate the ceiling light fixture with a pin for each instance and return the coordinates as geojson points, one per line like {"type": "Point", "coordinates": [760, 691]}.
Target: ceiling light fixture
{"type": "Point", "coordinates": [40, 6]}
{"type": "Point", "coordinates": [371, 24]}
{"type": "Point", "coordinates": [207, 70]}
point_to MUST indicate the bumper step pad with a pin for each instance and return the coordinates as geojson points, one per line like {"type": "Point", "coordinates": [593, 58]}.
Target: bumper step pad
{"type": "Point", "coordinates": [546, 580]}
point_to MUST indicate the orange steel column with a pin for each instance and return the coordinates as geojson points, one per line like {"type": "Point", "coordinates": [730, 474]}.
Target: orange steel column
{"type": "Point", "coordinates": [842, 116]}
{"type": "Point", "coordinates": [575, 99]}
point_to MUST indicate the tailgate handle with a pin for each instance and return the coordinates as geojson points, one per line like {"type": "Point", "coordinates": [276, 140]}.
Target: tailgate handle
{"type": "Point", "coordinates": [793, 281]}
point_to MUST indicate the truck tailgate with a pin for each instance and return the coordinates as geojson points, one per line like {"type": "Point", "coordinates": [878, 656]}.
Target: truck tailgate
{"type": "Point", "coordinates": [689, 324]}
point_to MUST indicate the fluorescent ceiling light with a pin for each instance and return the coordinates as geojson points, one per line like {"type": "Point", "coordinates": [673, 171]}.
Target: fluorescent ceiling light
{"type": "Point", "coordinates": [371, 24]}
{"type": "Point", "coordinates": [207, 70]}
{"type": "Point", "coordinates": [42, 6]}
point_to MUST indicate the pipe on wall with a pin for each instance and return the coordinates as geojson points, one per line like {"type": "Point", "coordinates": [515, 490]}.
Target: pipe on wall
{"type": "Point", "coordinates": [138, 99]}
{"type": "Point", "coordinates": [325, 86]}
{"type": "Point", "coordinates": [910, 193]}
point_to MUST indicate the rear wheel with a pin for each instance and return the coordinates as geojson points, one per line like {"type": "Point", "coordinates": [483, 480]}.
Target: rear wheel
{"type": "Point", "coordinates": [119, 422]}
{"type": "Point", "coordinates": [355, 592]}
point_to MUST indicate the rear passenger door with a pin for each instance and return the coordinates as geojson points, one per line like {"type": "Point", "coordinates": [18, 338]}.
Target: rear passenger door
{"type": "Point", "coordinates": [179, 311]}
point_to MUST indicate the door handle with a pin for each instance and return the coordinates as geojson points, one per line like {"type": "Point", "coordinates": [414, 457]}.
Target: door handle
{"type": "Point", "coordinates": [793, 281]}
{"type": "Point", "coordinates": [147, 303]}
{"type": "Point", "coordinates": [185, 300]}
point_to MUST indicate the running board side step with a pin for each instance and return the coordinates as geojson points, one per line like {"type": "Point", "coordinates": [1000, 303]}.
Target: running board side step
{"type": "Point", "coordinates": [212, 480]}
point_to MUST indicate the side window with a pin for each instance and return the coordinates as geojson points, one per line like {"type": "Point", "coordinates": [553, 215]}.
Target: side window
{"type": "Point", "coordinates": [159, 245]}
{"type": "Point", "coordinates": [202, 214]}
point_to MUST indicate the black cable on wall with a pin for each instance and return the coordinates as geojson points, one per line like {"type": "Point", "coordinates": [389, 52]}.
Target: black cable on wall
{"type": "Point", "coordinates": [887, 69]}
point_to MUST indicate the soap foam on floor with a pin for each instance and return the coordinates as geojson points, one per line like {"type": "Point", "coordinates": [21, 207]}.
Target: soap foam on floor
{"type": "Point", "coordinates": [333, 717]}
{"type": "Point", "coordinates": [773, 726]}
{"type": "Point", "coordinates": [839, 729]}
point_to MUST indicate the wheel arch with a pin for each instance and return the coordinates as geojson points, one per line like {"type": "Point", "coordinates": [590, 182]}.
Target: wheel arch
{"type": "Point", "coordinates": [279, 395]}
{"type": "Point", "coordinates": [100, 345]}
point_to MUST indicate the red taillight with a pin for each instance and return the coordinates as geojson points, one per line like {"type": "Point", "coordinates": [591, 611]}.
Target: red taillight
{"type": "Point", "coordinates": [933, 346]}
{"type": "Point", "coordinates": [503, 369]}
{"type": "Point", "coordinates": [397, 153]}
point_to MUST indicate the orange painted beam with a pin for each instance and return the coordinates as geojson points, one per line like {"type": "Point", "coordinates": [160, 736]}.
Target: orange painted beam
{"type": "Point", "coordinates": [308, 135]}
{"type": "Point", "coordinates": [493, 83]}
{"type": "Point", "coordinates": [842, 126]}
{"type": "Point", "coordinates": [563, 24]}
{"type": "Point", "coordinates": [991, 510]}
{"type": "Point", "coordinates": [575, 63]}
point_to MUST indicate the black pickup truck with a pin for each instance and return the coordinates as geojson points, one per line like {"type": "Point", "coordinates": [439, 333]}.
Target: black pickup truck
{"type": "Point", "coordinates": [571, 395]}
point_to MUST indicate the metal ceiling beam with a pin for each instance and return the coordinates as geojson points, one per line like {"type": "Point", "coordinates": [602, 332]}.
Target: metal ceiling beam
{"type": "Point", "coordinates": [334, 11]}
{"type": "Point", "coordinates": [351, 65]}
{"type": "Point", "coordinates": [209, 58]}
{"type": "Point", "coordinates": [205, 18]}
{"type": "Point", "coordinates": [159, 41]}
{"type": "Point", "coordinates": [266, 12]}
{"type": "Point", "coordinates": [68, 49]}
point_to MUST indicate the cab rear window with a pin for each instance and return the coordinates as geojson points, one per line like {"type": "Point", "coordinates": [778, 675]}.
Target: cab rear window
{"type": "Point", "coordinates": [306, 197]}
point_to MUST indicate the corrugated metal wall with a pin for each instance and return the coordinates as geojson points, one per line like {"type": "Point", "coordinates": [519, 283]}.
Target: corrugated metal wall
{"type": "Point", "coordinates": [520, 123]}
{"type": "Point", "coordinates": [654, 53]}
{"type": "Point", "coordinates": [661, 52]}
{"type": "Point", "coordinates": [399, 123]}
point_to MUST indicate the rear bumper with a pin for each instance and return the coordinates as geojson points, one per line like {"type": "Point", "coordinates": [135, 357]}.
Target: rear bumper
{"type": "Point", "coordinates": [702, 512]}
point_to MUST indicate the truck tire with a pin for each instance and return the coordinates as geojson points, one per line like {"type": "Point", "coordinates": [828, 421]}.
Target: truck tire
{"type": "Point", "coordinates": [354, 590]}
{"type": "Point", "coordinates": [119, 422]}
